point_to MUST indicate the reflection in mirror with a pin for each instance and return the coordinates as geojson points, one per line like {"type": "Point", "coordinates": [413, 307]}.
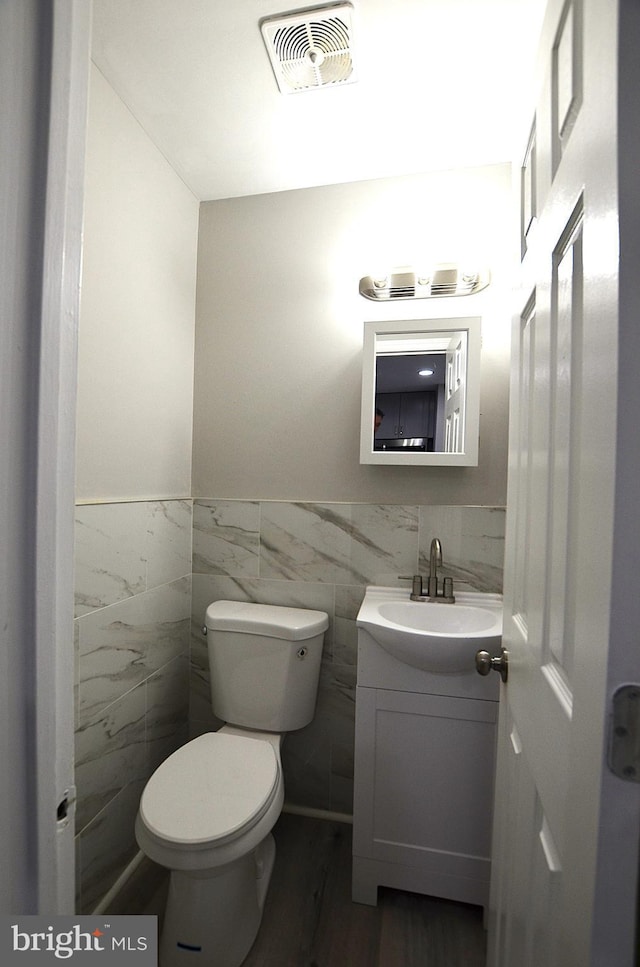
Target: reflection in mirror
{"type": "Point", "coordinates": [420, 392]}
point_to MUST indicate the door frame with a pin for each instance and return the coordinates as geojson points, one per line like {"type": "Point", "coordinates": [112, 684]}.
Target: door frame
{"type": "Point", "coordinates": [63, 221]}
{"type": "Point", "coordinates": [45, 49]}
{"type": "Point", "coordinates": [614, 910]}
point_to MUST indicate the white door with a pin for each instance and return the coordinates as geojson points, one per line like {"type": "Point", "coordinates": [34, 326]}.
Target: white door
{"type": "Point", "coordinates": [454, 390]}
{"type": "Point", "coordinates": [565, 848]}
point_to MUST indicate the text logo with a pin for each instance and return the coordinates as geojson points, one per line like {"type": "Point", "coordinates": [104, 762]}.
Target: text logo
{"type": "Point", "coordinates": [124, 940]}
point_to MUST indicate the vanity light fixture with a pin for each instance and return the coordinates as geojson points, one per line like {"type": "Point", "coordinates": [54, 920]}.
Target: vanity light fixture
{"type": "Point", "coordinates": [446, 279]}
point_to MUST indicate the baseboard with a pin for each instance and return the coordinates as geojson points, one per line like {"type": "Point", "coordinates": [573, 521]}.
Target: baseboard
{"type": "Point", "coordinates": [119, 884]}
{"type": "Point", "coordinates": [311, 813]}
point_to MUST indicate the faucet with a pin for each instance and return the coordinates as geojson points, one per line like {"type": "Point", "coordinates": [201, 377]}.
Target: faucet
{"type": "Point", "coordinates": [431, 593]}
{"type": "Point", "coordinates": [435, 561]}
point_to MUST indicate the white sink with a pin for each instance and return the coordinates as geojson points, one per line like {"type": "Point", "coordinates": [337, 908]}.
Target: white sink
{"type": "Point", "coordinates": [433, 636]}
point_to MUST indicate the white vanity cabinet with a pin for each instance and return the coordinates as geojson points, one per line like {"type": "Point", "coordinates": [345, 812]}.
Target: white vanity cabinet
{"type": "Point", "coordinates": [424, 771]}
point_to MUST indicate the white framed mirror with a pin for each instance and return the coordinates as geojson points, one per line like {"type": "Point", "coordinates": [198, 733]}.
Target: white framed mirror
{"type": "Point", "coordinates": [421, 392]}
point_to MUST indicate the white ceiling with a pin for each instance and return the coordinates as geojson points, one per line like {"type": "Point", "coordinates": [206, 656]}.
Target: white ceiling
{"type": "Point", "coordinates": [439, 86]}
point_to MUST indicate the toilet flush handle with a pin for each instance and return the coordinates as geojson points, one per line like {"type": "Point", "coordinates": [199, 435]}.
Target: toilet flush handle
{"type": "Point", "coordinates": [204, 630]}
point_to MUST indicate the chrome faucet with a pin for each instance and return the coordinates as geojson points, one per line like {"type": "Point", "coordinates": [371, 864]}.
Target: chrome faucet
{"type": "Point", "coordinates": [431, 593]}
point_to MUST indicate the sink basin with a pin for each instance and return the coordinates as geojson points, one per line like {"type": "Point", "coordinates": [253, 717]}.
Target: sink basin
{"type": "Point", "coordinates": [433, 636]}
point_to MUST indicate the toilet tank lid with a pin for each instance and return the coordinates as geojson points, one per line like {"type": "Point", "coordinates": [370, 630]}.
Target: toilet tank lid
{"type": "Point", "coordinates": [271, 620]}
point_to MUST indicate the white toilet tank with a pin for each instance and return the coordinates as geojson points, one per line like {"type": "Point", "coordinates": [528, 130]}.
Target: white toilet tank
{"type": "Point", "coordinates": [264, 664]}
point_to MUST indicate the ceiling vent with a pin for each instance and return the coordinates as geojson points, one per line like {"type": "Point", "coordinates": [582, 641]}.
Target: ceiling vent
{"type": "Point", "coordinates": [311, 49]}
{"type": "Point", "coordinates": [444, 279]}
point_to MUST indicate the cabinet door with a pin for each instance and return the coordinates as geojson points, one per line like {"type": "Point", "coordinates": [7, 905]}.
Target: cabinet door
{"type": "Point", "coordinates": [424, 788]}
{"type": "Point", "coordinates": [417, 415]}
{"type": "Point", "coordinates": [406, 415]}
{"type": "Point", "coordinates": [389, 403]}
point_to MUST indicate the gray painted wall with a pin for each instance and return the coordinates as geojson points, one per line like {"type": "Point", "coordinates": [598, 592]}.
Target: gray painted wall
{"type": "Point", "coordinates": [135, 373]}
{"type": "Point", "coordinates": [279, 334]}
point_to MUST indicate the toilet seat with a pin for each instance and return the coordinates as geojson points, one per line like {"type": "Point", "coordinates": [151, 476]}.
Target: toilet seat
{"type": "Point", "coordinates": [211, 790]}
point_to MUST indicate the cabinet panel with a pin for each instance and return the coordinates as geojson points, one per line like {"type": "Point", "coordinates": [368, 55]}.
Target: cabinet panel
{"type": "Point", "coordinates": [423, 794]}
{"type": "Point", "coordinates": [449, 762]}
{"type": "Point", "coordinates": [407, 415]}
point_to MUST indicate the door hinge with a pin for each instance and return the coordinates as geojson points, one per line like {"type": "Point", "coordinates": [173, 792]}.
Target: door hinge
{"type": "Point", "coordinates": [624, 735]}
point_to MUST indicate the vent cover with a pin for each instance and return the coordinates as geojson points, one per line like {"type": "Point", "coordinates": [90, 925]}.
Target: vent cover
{"type": "Point", "coordinates": [445, 279]}
{"type": "Point", "coordinates": [311, 49]}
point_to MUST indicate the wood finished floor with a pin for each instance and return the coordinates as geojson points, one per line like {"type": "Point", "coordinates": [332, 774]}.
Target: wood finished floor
{"type": "Point", "coordinates": [310, 920]}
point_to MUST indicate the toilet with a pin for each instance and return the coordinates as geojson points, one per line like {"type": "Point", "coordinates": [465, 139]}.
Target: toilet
{"type": "Point", "coordinates": [208, 810]}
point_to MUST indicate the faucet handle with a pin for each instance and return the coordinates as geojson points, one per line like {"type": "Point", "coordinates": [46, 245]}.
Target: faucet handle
{"type": "Point", "coordinates": [416, 583]}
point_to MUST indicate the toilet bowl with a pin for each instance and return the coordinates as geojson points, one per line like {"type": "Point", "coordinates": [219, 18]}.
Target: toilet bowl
{"type": "Point", "coordinates": [207, 814]}
{"type": "Point", "coordinates": [208, 810]}
{"type": "Point", "coordinates": [211, 800]}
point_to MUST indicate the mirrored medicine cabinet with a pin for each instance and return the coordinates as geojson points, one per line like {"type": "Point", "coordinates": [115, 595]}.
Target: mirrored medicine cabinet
{"type": "Point", "coordinates": [421, 392]}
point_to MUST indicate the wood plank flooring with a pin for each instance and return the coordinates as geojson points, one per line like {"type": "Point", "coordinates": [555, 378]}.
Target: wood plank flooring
{"type": "Point", "coordinates": [310, 920]}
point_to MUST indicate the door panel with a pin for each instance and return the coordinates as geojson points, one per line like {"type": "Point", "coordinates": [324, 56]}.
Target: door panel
{"type": "Point", "coordinates": [455, 392]}
{"type": "Point", "coordinates": [565, 404]}
{"type": "Point", "coordinates": [556, 805]}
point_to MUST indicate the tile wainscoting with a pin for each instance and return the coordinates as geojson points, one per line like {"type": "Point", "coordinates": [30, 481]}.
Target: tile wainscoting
{"type": "Point", "coordinates": [322, 556]}
{"type": "Point", "coordinates": [145, 568]}
{"type": "Point", "coordinates": [133, 604]}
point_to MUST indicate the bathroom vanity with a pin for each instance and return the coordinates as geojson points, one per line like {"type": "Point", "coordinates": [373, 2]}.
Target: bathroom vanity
{"type": "Point", "coordinates": [424, 772]}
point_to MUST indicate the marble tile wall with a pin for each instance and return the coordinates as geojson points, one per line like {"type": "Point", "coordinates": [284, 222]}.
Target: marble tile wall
{"type": "Point", "coordinates": [133, 604]}
{"type": "Point", "coordinates": [322, 555]}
